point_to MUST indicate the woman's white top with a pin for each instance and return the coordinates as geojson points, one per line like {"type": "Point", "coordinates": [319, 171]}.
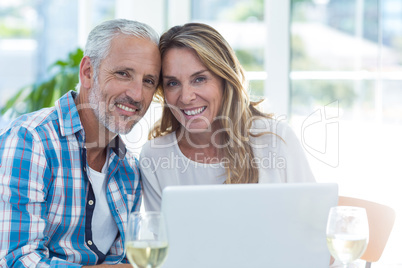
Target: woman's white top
{"type": "Point", "coordinates": [278, 155]}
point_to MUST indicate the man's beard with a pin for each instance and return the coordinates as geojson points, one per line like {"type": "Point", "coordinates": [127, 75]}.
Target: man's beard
{"type": "Point", "coordinates": [119, 125]}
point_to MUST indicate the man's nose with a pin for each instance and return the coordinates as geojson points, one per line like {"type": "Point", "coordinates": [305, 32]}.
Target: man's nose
{"type": "Point", "coordinates": [135, 90]}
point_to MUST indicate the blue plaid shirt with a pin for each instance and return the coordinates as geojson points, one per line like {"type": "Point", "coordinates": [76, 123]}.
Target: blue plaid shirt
{"type": "Point", "coordinates": [45, 213]}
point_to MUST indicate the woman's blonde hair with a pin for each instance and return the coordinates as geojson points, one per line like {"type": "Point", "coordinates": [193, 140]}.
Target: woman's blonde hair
{"type": "Point", "coordinates": [237, 111]}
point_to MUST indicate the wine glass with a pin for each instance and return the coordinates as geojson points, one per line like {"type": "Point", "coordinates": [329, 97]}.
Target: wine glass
{"type": "Point", "coordinates": [347, 233]}
{"type": "Point", "coordinates": [147, 243]}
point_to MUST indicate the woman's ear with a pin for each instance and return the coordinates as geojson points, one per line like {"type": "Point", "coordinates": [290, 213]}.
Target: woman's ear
{"type": "Point", "coordinates": [86, 72]}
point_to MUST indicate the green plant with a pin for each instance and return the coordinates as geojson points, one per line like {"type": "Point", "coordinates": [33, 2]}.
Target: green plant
{"type": "Point", "coordinates": [44, 93]}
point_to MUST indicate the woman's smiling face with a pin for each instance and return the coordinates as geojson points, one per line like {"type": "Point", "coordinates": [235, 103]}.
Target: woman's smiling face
{"type": "Point", "coordinates": [193, 93]}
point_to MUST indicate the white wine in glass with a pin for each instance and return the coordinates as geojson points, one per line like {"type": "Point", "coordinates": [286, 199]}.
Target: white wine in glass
{"type": "Point", "coordinates": [147, 243]}
{"type": "Point", "coordinates": [347, 233]}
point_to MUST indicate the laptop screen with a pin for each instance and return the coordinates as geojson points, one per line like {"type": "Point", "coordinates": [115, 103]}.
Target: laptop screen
{"type": "Point", "coordinates": [248, 225]}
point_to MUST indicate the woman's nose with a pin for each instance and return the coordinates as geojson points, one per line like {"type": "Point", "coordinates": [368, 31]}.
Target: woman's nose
{"type": "Point", "coordinates": [187, 94]}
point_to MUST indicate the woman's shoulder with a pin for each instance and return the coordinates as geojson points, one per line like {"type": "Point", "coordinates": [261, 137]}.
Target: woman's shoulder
{"type": "Point", "coordinates": [160, 144]}
{"type": "Point", "coordinates": [274, 131]}
{"type": "Point", "coordinates": [270, 125]}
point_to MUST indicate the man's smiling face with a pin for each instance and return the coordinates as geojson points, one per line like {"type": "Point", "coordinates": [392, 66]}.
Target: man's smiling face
{"type": "Point", "coordinates": [126, 82]}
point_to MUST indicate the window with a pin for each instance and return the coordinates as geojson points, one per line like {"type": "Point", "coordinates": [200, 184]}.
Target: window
{"type": "Point", "coordinates": [34, 34]}
{"type": "Point", "coordinates": [346, 73]}
{"type": "Point", "coordinates": [19, 26]}
{"type": "Point", "coordinates": [241, 22]}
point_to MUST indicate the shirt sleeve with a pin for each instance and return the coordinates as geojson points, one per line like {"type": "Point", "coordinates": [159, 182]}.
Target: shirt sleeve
{"type": "Point", "coordinates": [152, 190]}
{"type": "Point", "coordinates": [24, 178]}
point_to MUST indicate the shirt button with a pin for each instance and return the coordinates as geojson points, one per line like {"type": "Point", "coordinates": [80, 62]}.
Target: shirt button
{"type": "Point", "coordinates": [85, 169]}
{"type": "Point", "coordinates": [90, 202]}
{"type": "Point", "coordinates": [89, 242]}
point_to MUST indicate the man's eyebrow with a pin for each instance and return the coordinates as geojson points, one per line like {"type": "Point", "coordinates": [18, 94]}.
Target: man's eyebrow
{"type": "Point", "coordinates": [129, 69]}
{"type": "Point", "coordinates": [122, 68]}
{"type": "Point", "coordinates": [154, 77]}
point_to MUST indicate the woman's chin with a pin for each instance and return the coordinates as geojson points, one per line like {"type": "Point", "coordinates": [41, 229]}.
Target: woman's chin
{"type": "Point", "coordinates": [198, 129]}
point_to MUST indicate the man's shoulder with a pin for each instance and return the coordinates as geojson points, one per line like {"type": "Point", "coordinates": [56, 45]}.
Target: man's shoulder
{"type": "Point", "coordinates": [33, 121]}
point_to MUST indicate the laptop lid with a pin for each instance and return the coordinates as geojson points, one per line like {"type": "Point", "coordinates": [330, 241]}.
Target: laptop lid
{"type": "Point", "coordinates": [248, 225]}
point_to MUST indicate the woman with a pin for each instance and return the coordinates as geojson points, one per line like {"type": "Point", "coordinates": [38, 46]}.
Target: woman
{"type": "Point", "coordinates": [210, 132]}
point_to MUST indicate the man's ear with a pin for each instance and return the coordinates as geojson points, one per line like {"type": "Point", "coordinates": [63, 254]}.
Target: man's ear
{"type": "Point", "coordinates": [86, 72]}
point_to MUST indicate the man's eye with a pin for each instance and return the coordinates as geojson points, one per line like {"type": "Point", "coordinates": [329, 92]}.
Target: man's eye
{"type": "Point", "coordinates": [149, 81]}
{"type": "Point", "coordinates": [121, 73]}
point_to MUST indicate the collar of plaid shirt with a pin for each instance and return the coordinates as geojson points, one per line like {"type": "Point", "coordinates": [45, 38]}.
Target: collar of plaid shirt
{"type": "Point", "coordinates": [70, 123]}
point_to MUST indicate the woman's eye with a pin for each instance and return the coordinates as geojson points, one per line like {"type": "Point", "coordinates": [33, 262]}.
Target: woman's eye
{"type": "Point", "coordinates": [171, 84]}
{"type": "Point", "coordinates": [199, 79]}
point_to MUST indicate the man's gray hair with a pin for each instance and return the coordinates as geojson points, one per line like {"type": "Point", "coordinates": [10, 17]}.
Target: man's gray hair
{"type": "Point", "coordinates": [100, 38]}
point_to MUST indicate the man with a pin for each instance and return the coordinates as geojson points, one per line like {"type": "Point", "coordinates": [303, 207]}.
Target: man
{"type": "Point", "coordinates": [67, 183]}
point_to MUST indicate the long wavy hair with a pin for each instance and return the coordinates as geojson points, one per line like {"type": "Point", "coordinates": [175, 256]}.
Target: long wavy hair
{"type": "Point", "coordinates": [237, 111]}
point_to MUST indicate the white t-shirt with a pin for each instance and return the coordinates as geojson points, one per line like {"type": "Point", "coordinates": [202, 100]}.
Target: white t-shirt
{"type": "Point", "coordinates": [279, 157]}
{"type": "Point", "coordinates": [104, 227]}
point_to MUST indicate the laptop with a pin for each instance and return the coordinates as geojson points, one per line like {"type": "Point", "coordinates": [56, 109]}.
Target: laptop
{"type": "Point", "coordinates": [248, 225]}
